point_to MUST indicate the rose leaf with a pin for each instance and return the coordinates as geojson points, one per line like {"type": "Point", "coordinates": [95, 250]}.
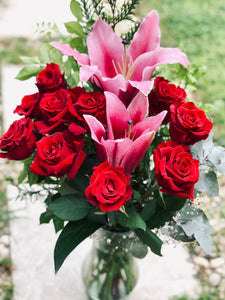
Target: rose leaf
{"type": "Point", "coordinates": [131, 219]}
{"type": "Point", "coordinates": [150, 239]}
{"type": "Point", "coordinates": [70, 207]}
{"type": "Point", "coordinates": [71, 236]}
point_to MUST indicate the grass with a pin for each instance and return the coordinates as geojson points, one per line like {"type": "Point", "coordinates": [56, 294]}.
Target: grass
{"type": "Point", "coordinates": [197, 27]}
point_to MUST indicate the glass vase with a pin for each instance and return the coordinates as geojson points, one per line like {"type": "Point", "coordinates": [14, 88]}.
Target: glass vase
{"type": "Point", "coordinates": [110, 272]}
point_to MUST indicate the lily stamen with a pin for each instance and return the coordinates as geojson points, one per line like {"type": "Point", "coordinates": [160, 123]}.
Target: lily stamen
{"type": "Point", "coordinates": [130, 123]}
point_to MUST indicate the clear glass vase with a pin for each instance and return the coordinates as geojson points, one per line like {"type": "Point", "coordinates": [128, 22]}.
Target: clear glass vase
{"type": "Point", "coordinates": [110, 272]}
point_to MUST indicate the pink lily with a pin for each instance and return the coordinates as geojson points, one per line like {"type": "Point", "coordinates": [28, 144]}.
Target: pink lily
{"type": "Point", "coordinates": [119, 69]}
{"type": "Point", "coordinates": [129, 133]}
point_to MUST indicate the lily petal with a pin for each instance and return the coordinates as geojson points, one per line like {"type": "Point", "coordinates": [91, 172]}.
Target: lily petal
{"type": "Point", "coordinates": [144, 87]}
{"type": "Point", "coordinates": [138, 108]}
{"type": "Point", "coordinates": [117, 116]}
{"type": "Point", "coordinates": [147, 37]}
{"type": "Point", "coordinates": [97, 134]}
{"type": "Point", "coordinates": [65, 49]}
{"type": "Point", "coordinates": [116, 150]}
{"type": "Point", "coordinates": [146, 63]}
{"type": "Point", "coordinates": [104, 48]}
{"type": "Point", "coordinates": [148, 124]}
{"type": "Point", "coordinates": [136, 152]}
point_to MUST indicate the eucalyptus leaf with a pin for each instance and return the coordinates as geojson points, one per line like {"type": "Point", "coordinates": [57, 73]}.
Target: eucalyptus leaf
{"type": "Point", "coordinates": [175, 231]}
{"type": "Point", "coordinates": [70, 207]}
{"type": "Point", "coordinates": [217, 157]}
{"type": "Point", "coordinates": [195, 224]}
{"type": "Point", "coordinates": [71, 236]}
{"type": "Point", "coordinates": [202, 149]}
{"type": "Point", "coordinates": [207, 183]}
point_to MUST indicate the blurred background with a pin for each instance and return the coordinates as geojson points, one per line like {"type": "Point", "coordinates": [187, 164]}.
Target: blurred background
{"type": "Point", "coordinates": [197, 27]}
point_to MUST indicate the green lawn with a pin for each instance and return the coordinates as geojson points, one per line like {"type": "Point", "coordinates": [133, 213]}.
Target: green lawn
{"type": "Point", "coordinates": [197, 27]}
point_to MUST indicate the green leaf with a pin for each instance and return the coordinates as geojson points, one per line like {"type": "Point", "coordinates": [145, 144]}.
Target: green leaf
{"type": "Point", "coordinates": [82, 179]}
{"type": "Point", "coordinates": [150, 239]}
{"type": "Point", "coordinates": [67, 189]}
{"type": "Point", "coordinates": [32, 178]}
{"type": "Point", "coordinates": [56, 56]}
{"type": "Point", "coordinates": [74, 27]}
{"type": "Point", "coordinates": [148, 210]}
{"type": "Point", "coordinates": [29, 60]}
{"type": "Point", "coordinates": [123, 211]}
{"type": "Point", "coordinates": [76, 10]}
{"type": "Point", "coordinates": [97, 217]}
{"type": "Point", "coordinates": [195, 223]}
{"type": "Point", "coordinates": [28, 72]}
{"type": "Point", "coordinates": [173, 203]}
{"type": "Point", "coordinates": [22, 176]}
{"type": "Point", "coordinates": [45, 54]}
{"type": "Point", "coordinates": [71, 236]}
{"type": "Point", "coordinates": [58, 223]}
{"type": "Point", "coordinates": [138, 249]}
{"type": "Point", "coordinates": [207, 183]}
{"type": "Point", "coordinates": [160, 217]}
{"type": "Point", "coordinates": [131, 219]}
{"type": "Point", "coordinates": [46, 217]}
{"type": "Point", "coordinates": [70, 207]}
{"type": "Point", "coordinates": [77, 43]}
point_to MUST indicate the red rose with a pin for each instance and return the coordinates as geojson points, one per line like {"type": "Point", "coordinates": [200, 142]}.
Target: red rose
{"type": "Point", "coordinates": [55, 111]}
{"type": "Point", "coordinates": [92, 103]}
{"type": "Point", "coordinates": [176, 170]}
{"type": "Point", "coordinates": [109, 187]}
{"type": "Point", "coordinates": [29, 106]}
{"type": "Point", "coordinates": [163, 96]}
{"type": "Point", "coordinates": [50, 79]}
{"type": "Point", "coordinates": [58, 154]}
{"type": "Point", "coordinates": [19, 141]}
{"type": "Point", "coordinates": [189, 124]}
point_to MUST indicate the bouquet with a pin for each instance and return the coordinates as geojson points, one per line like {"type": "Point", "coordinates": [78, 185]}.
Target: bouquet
{"type": "Point", "coordinates": [111, 139]}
